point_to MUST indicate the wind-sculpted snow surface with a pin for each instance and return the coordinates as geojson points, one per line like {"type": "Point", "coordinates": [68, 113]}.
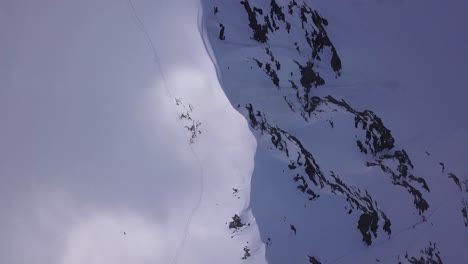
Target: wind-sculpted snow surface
{"type": "Point", "coordinates": [332, 182]}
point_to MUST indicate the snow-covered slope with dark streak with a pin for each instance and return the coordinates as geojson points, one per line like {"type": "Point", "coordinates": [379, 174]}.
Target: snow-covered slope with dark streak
{"type": "Point", "coordinates": [332, 182]}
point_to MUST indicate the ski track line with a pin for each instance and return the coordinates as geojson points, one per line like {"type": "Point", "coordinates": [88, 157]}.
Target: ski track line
{"type": "Point", "coordinates": [396, 234]}
{"type": "Point", "coordinates": [141, 26]}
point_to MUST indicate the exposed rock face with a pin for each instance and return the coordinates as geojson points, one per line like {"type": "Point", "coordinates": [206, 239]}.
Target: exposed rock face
{"type": "Point", "coordinates": [186, 115]}
{"type": "Point", "coordinates": [312, 23]}
{"type": "Point", "coordinates": [377, 137]}
{"type": "Point", "coordinates": [428, 255]}
{"type": "Point", "coordinates": [236, 223]}
{"type": "Point", "coordinates": [287, 103]}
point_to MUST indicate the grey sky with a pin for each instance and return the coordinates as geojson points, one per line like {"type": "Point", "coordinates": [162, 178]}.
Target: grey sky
{"type": "Point", "coordinates": [91, 145]}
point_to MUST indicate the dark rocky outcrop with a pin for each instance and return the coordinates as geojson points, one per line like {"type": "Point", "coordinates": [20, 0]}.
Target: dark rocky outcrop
{"type": "Point", "coordinates": [221, 32]}
{"type": "Point", "coordinates": [260, 31]}
{"type": "Point", "coordinates": [277, 11]}
{"type": "Point", "coordinates": [309, 78]}
{"type": "Point", "coordinates": [463, 189]}
{"type": "Point", "coordinates": [368, 223]}
{"type": "Point", "coordinates": [378, 141]}
{"type": "Point", "coordinates": [456, 180]}
{"type": "Point", "coordinates": [192, 125]}
{"type": "Point", "coordinates": [246, 253]}
{"type": "Point", "coordinates": [377, 137]}
{"type": "Point", "coordinates": [236, 223]}
{"type": "Point", "coordinates": [401, 176]}
{"type": "Point", "coordinates": [465, 212]}
{"type": "Point", "coordinates": [429, 255]}
{"type": "Point", "coordinates": [313, 26]}
{"type": "Point", "coordinates": [313, 260]}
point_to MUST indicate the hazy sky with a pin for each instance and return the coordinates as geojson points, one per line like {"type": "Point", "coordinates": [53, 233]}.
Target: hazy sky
{"type": "Point", "coordinates": [91, 145]}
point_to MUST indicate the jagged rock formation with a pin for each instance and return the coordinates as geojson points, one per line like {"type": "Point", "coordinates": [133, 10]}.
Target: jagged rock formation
{"type": "Point", "coordinates": [456, 180]}
{"type": "Point", "coordinates": [286, 101]}
{"type": "Point", "coordinates": [428, 255]}
{"type": "Point", "coordinates": [246, 253]}
{"type": "Point", "coordinates": [312, 181]}
{"type": "Point", "coordinates": [465, 212]}
{"type": "Point", "coordinates": [314, 49]}
{"type": "Point", "coordinates": [313, 260]}
{"type": "Point", "coordinates": [236, 223]}
{"type": "Point", "coordinates": [312, 24]}
{"type": "Point", "coordinates": [192, 125]}
{"type": "Point", "coordinates": [377, 137]}
{"type": "Point", "coordinates": [463, 190]}
{"type": "Point", "coordinates": [400, 176]}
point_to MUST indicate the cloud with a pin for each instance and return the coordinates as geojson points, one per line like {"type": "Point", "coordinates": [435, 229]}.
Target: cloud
{"type": "Point", "coordinates": [117, 238]}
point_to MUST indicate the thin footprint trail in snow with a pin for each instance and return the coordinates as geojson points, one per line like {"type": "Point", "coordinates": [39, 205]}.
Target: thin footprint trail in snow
{"type": "Point", "coordinates": [194, 210]}
{"type": "Point", "coordinates": [396, 234]}
{"type": "Point", "coordinates": [144, 30]}
{"type": "Point", "coordinates": [424, 221]}
{"type": "Point", "coordinates": [141, 26]}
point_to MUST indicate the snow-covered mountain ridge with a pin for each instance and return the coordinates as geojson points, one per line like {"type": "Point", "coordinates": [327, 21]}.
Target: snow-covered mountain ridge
{"type": "Point", "coordinates": [276, 60]}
